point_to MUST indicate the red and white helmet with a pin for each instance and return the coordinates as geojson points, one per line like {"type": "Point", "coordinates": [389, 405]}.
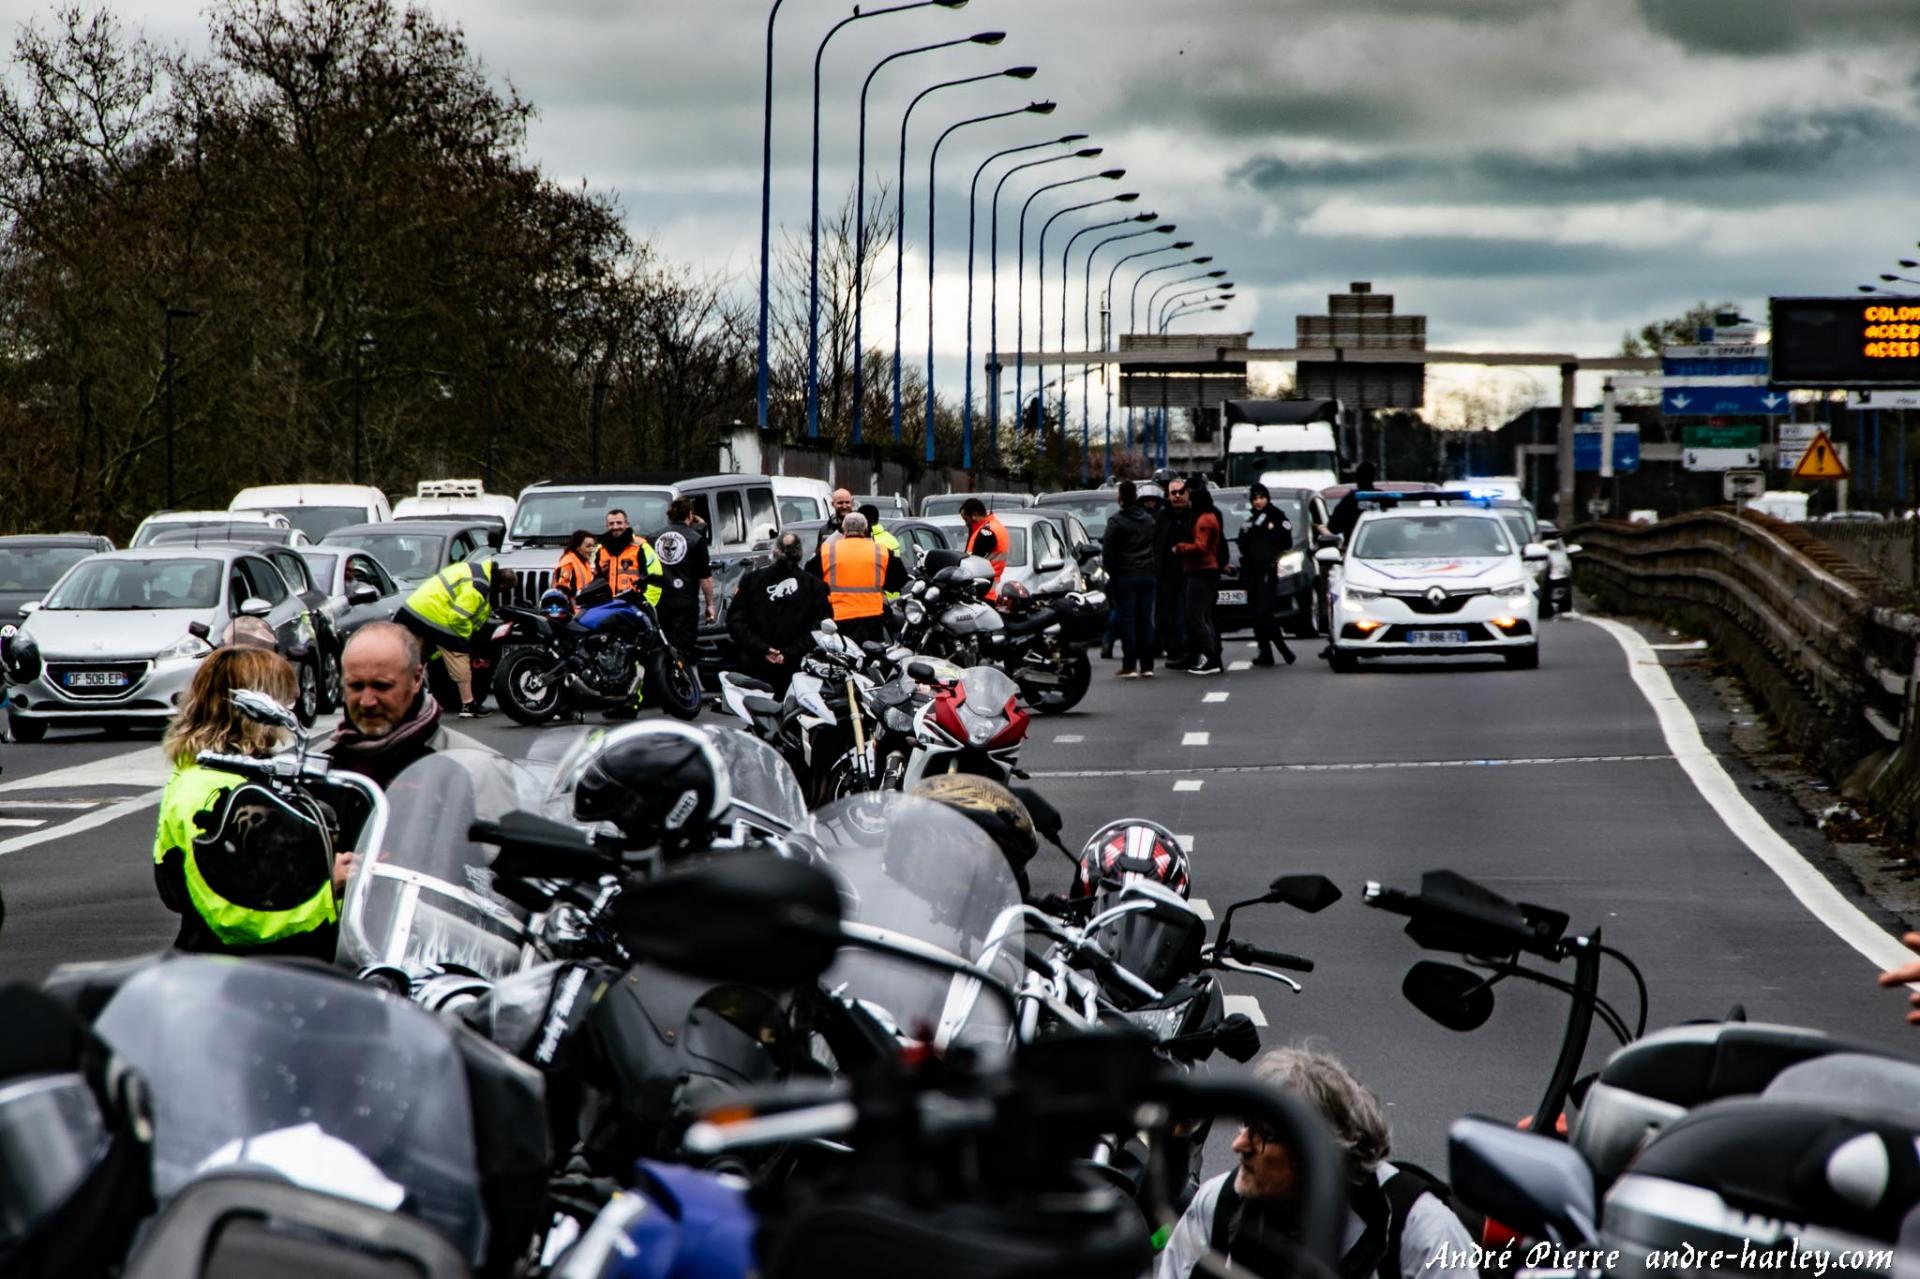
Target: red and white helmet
{"type": "Point", "coordinates": [1130, 847]}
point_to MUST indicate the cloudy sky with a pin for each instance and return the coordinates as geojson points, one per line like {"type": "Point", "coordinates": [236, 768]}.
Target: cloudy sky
{"type": "Point", "coordinates": [1531, 174]}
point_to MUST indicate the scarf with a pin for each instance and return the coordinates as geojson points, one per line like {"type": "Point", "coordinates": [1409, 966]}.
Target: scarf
{"type": "Point", "coordinates": [615, 543]}
{"type": "Point", "coordinates": [420, 724]}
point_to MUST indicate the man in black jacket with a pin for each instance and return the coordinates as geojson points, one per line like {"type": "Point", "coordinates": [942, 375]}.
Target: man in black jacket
{"type": "Point", "coordinates": [774, 614]}
{"type": "Point", "coordinates": [1264, 538]}
{"type": "Point", "coordinates": [1173, 524]}
{"type": "Point", "coordinates": [1127, 550]}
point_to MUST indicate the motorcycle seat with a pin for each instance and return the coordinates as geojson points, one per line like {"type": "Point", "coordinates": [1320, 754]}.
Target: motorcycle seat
{"type": "Point", "coordinates": [749, 683]}
{"type": "Point", "coordinates": [759, 706]}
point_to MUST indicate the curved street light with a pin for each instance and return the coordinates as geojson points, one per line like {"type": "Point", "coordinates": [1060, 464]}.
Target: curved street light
{"type": "Point", "coordinates": [1020, 276]}
{"type": "Point", "coordinates": [1175, 300]}
{"type": "Point", "coordinates": [1040, 258]}
{"type": "Point", "coordinates": [1178, 246]}
{"type": "Point", "coordinates": [993, 283]}
{"type": "Point", "coordinates": [1153, 299]}
{"type": "Point", "coordinates": [1191, 310]}
{"type": "Point", "coordinates": [1086, 324]}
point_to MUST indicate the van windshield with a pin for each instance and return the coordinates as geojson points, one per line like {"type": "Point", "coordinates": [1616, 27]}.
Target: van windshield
{"type": "Point", "coordinates": [318, 521]}
{"type": "Point", "coordinates": [1247, 468]}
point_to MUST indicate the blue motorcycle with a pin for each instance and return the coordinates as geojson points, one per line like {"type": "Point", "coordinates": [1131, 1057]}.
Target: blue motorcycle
{"type": "Point", "coordinates": [612, 655]}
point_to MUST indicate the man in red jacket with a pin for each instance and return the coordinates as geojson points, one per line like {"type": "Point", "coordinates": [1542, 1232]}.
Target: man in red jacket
{"type": "Point", "coordinates": [1202, 556]}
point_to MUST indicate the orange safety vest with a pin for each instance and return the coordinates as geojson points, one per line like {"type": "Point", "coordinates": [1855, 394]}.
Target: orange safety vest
{"type": "Point", "coordinates": [1001, 545]}
{"type": "Point", "coordinates": [627, 570]}
{"type": "Point", "coordinates": [573, 573]}
{"type": "Point", "coordinates": [856, 573]}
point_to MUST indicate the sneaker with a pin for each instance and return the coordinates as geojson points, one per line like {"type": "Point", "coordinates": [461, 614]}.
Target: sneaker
{"type": "Point", "coordinates": [1263, 659]}
{"type": "Point", "coordinates": [474, 710]}
{"type": "Point", "coordinates": [1126, 674]}
{"type": "Point", "coordinates": [1147, 673]}
{"type": "Point", "coordinates": [1204, 667]}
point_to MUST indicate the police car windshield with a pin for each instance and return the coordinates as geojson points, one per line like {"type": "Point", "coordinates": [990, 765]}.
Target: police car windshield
{"type": "Point", "coordinates": [551, 518]}
{"type": "Point", "coordinates": [115, 583]}
{"type": "Point", "coordinates": [35, 568]}
{"type": "Point", "coordinates": [1426, 537]}
{"type": "Point", "coordinates": [414, 556]}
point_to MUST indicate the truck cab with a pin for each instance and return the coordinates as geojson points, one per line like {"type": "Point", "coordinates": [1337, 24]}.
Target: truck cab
{"type": "Point", "coordinates": [1281, 443]}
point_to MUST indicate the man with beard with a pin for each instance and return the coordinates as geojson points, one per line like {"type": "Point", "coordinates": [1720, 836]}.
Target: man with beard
{"type": "Point", "coordinates": [628, 562]}
{"type": "Point", "coordinates": [390, 721]}
{"type": "Point", "coordinates": [1398, 1223]}
{"type": "Point", "coordinates": [775, 612]}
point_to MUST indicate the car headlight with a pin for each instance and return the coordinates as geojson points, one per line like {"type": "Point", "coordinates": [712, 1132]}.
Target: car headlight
{"type": "Point", "coordinates": [1290, 563]}
{"type": "Point", "coordinates": [1514, 590]}
{"type": "Point", "coordinates": [1358, 593]}
{"type": "Point", "coordinates": [186, 646]}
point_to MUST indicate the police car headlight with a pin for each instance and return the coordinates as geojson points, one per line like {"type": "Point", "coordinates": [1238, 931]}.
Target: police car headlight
{"type": "Point", "coordinates": [1290, 563]}
{"type": "Point", "coordinates": [187, 646]}
{"type": "Point", "coordinates": [1514, 590]}
{"type": "Point", "coordinates": [1355, 594]}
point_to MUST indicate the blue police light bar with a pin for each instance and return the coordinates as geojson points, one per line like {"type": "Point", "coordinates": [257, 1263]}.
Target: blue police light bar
{"type": "Point", "coordinates": [1479, 497]}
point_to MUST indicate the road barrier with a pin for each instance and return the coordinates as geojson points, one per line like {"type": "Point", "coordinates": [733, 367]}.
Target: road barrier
{"type": "Point", "coordinates": [1833, 664]}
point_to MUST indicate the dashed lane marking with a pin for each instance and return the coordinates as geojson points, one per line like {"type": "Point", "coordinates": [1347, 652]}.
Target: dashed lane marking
{"type": "Point", "coordinates": [1240, 666]}
{"type": "Point", "coordinates": [1196, 739]}
{"type": "Point", "coordinates": [27, 822]}
{"type": "Point", "coordinates": [81, 824]}
{"type": "Point", "coordinates": [1070, 739]}
{"type": "Point", "coordinates": [1248, 1004]}
{"type": "Point", "coordinates": [1215, 698]}
{"type": "Point", "coordinates": [77, 805]}
{"type": "Point", "coordinates": [1188, 784]}
{"type": "Point", "coordinates": [1200, 907]}
{"type": "Point", "coordinates": [1186, 842]}
{"type": "Point", "coordinates": [1380, 766]}
{"type": "Point", "coordinates": [148, 767]}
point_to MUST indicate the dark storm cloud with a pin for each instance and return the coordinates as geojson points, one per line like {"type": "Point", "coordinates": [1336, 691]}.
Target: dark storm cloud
{"type": "Point", "coordinates": [1763, 27]}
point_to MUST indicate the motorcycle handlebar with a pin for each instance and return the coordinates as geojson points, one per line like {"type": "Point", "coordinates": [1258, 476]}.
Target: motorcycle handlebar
{"type": "Point", "coordinates": [1390, 899]}
{"type": "Point", "coordinates": [1248, 953]}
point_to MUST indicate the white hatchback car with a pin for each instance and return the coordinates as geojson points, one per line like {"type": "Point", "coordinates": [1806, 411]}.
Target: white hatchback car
{"type": "Point", "coordinates": [1434, 580]}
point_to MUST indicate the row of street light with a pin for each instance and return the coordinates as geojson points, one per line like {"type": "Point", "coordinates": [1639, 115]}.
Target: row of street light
{"type": "Point", "coordinates": [1159, 317]}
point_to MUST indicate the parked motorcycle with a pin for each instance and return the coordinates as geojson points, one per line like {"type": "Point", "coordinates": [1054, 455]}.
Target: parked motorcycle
{"type": "Point", "coordinates": [1043, 644]}
{"type": "Point", "coordinates": [826, 724]}
{"type": "Point", "coordinates": [553, 665]}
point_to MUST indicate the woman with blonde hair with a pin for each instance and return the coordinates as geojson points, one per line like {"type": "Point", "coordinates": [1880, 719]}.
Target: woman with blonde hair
{"type": "Point", "coordinates": [248, 870]}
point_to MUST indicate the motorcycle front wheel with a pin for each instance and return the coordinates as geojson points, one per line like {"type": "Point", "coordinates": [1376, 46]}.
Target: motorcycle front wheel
{"type": "Point", "coordinates": [675, 684]}
{"type": "Point", "coordinates": [1077, 678]}
{"type": "Point", "coordinates": [523, 694]}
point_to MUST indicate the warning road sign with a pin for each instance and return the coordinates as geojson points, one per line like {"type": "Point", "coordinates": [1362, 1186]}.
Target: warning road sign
{"type": "Point", "coordinates": [1820, 462]}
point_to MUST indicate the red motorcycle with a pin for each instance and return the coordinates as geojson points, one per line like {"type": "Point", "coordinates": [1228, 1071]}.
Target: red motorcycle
{"type": "Point", "coordinates": [967, 721]}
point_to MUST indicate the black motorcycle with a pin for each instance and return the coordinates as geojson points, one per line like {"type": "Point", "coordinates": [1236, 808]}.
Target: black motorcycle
{"type": "Point", "coordinates": [552, 666]}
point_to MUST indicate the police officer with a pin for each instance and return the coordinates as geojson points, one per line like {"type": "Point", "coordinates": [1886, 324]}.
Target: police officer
{"type": "Point", "coordinates": [775, 612]}
{"type": "Point", "coordinates": [986, 536]}
{"type": "Point", "coordinates": [628, 562]}
{"type": "Point", "coordinates": [1263, 539]}
{"type": "Point", "coordinates": [858, 572]}
{"type": "Point", "coordinates": [448, 610]}
{"type": "Point", "coordinates": [682, 549]}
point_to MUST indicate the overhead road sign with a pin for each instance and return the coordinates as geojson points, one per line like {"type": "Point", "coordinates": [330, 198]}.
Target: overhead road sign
{"type": "Point", "coordinates": [1715, 379]}
{"type": "Point", "coordinates": [1716, 401]}
{"type": "Point", "coordinates": [1820, 462]}
{"type": "Point", "coordinates": [1626, 447]}
{"type": "Point", "coordinates": [1893, 398]}
{"type": "Point", "coordinates": [1846, 343]}
{"type": "Point", "coordinates": [1719, 459]}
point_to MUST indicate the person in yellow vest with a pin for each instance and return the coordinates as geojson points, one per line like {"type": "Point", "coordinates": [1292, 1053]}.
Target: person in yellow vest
{"type": "Point", "coordinates": [249, 871]}
{"type": "Point", "coordinates": [627, 560]}
{"type": "Point", "coordinates": [986, 536]}
{"type": "Point", "coordinates": [880, 535]}
{"type": "Point", "coordinates": [449, 610]}
{"type": "Point", "coordinates": [858, 572]}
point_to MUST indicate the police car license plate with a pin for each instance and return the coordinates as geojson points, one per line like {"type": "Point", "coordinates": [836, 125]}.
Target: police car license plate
{"type": "Point", "coordinates": [1436, 637]}
{"type": "Point", "coordinates": [1233, 597]}
{"type": "Point", "coordinates": [95, 679]}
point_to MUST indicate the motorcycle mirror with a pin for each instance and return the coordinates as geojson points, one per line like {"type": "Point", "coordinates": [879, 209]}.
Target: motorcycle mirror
{"type": "Point", "coordinates": [830, 626]}
{"type": "Point", "coordinates": [262, 709]}
{"type": "Point", "coordinates": [201, 630]}
{"type": "Point", "coordinates": [1237, 1037]}
{"type": "Point", "coordinates": [1309, 893]}
{"type": "Point", "coordinates": [760, 920]}
{"type": "Point", "coordinates": [1458, 998]}
{"type": "Point", "coordinates": [1532, 1184]}
{"type": "Point", "coordinates": [921, 671]}
{"type": "Point", "coordinates": [535, 847]}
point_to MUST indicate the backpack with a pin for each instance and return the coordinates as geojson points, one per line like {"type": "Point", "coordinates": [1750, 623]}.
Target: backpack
{"type": "Point", "coordinates": [1408, 1183]}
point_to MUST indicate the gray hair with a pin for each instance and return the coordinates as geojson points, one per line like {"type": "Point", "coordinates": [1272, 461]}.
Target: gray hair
{"type": "Point", "coordinates": [1349, 1107]}
{"type": "Point", "coordinates": [854, 525]}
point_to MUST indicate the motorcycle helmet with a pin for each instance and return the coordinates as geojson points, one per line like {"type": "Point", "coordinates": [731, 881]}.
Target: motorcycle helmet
{"type": "Point", "coordinates": [663, 785]}
{"type": "Point", "coordinates": [1149, 492]}
{"type": "Point", "coordinates": [1128, 847]}
{"type": "Point", "coordinates": [1010, 591]}
{"type": "Point", "coordinates": [556, 604]}
{"type": "Point", "coordinates": [994, 809]}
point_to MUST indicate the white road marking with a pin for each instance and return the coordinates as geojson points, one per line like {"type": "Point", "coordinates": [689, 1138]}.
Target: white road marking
{"type": "Point", "coordinates": [79, 825]}
{"type": "Point", "coordinates": [1215, 698]}
{"type": "Point", "coordinates": [1186, 842]}
{"type": "Point", "coordinates": [1188, 784]}
{"type": "Point", "coordinates": [1196, 739]}
{"type": "Point", "coordinates": [1239, 666]}
{"type": "Point", "coordinates": [1248, 1004]}
{"type": "Point", "coordinates": [1709, 777]}
{"type": "Point", "coordinates": [1200, 907]}
{"type": "Point", "coordinates": [75, 804]}
{"type": "Point", "coordinates": [1689, 647]}
{"type": "Point", "coordinates": [1366, 767]}
{"type": "Point", "coordinates": [1070, 739]}
{"type": "Point", "coordinates": [27, 822]}
{"type": "Point", "coordinates": [148, 767]}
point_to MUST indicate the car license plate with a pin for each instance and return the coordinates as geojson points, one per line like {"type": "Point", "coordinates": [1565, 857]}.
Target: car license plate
{"type": "Point", "coordinates": [1233, 597]}
{"type": "Point", "coordinates": [96, 679]}
{"type": "Point", "coordinates": [1436, 637]}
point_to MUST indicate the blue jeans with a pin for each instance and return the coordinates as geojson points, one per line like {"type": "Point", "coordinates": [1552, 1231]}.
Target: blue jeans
{"type": "Point", "coordinates": [1133, 602]}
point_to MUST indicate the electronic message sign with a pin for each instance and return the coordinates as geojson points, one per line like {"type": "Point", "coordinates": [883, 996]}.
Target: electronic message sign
{"type": "Point", "coordinates": [1842, 343]}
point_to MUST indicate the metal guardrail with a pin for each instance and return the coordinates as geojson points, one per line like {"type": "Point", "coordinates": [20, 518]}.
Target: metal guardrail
{"type": "Point", "coordinates": [1812, 609]}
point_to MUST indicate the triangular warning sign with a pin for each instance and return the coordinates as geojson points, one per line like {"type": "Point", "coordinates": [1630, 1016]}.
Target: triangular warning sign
{"type": "Point", "coordinates": [1820, 461]}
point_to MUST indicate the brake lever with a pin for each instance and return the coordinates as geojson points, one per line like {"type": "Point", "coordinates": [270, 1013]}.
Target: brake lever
{"type": "Point", "coordinates": [1234, 965]}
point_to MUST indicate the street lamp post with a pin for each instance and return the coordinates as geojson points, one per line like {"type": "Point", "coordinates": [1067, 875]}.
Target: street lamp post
{"type": "Point", "coordinates": [1086, 326]}
{"type": "Point", "coordinates": [170, 315]}
{"type": "Point", "coordinates": [359, 409]}
{"type": "Point", "coordinates": [813, 266]}
{"type": "Point", "coordinates": [1066, 278]}
{"type": "Point", "coordinates": [766, 211]}
{"type": "Point", "coordinates": [1153, 299]}
{"type": "Point", "coordinates": [860, 221]}
{"type": "Point", "coordinates": [1040, 257]}
{"type": "Point", "coordinates": [933, 159]}
{"type": "Point", "coordinates": [1176, 300]}
{"type": "Point", "coordinates": [1192, 309]}
{"type": "Point", "coordinates": [1178, 246]}
{"type": "Point", "coordinates": [900, 216]}
{"type": "Point", "coordinates": [1040, 265]}
{"type": "Point", "coordinates": [973, 198]}
{"type": "Point", "coordinates": [1133, 302]}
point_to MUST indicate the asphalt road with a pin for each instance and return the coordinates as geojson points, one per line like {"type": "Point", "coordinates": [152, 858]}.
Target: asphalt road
{"type": "Point", "coordinates": [1554, 786]}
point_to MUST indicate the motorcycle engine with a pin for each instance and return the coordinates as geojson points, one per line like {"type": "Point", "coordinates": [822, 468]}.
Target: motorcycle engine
{"type": "Point", "coordinates": [608, 666]}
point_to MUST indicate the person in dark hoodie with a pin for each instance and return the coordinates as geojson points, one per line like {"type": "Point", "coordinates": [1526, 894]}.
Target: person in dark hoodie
{"type": "Point", "coordinates": [775, 612]}
{"type": "Point", "coordinates": [1264, 538]}
{"type": "Point", "coordinates": [1173, 523]}
{"type": "Point", "coordinates": [1202, 555]}
{"type": "Point", "coordinates": [1126, 548]}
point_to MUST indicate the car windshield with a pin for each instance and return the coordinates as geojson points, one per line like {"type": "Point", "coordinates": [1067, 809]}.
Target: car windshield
{"type": "Point", "coordinates": [35, 568]}
{"type": "Point", "coordinates": [414, 556]}
{"type": "Point", "coordinates": [550, 518]}
{"type": "Point", "coordinates": [1093, 511]}
{"type": "Point", "coordinates": [1252, 468]}
{"type": "Point", "coordinates": [1427, 537]}
{"type": "Point", "coordinates": [124, 584]}
{"type": "Point", "coordinates": [1520, 526]}
{"type": "Point", "coordinates": [318, 521]}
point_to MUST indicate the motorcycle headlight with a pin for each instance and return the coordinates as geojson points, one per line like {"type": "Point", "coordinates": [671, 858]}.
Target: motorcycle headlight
{"type": "Point", "coordinates": [1514, 590]}
{"type": "Point", "coordinates": [1359, 593]}
{"type": "Point", "coordinates": [1290, 563]}
{"type": "Point", "coordinates": [185, 647]}
{"type": "Point", "coordinates": [979, 731]}
{"type": "Point", "coordinates": [900, 721]}
{"type": "Point", "coordinates": [916, 612]}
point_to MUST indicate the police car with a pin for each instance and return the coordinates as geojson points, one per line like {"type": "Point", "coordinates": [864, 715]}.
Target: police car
{"type": "Point", "coordinates": [1433, 574]}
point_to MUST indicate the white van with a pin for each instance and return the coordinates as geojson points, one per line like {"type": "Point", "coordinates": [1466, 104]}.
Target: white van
{"type": "Point", "coordinates": [317, 509]}
{"type": "Point", "coordinates": [1299, 456]}
{"type": "Point", "coordinates": [434, 499]}
{"type": "Point", "coordinates": [800, 498]}
{"type": "Point", "coordinates": [1782, 505]}
{"type": "Point", "coordinates": [162, 521]}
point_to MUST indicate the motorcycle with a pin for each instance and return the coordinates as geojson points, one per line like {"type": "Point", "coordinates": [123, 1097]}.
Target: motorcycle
{"type": "Point", "coordinates": [970, 721]}
{"type": "Point", "coordinates": [1043, 644]}
{"type": "Point", "coordinates": [826, 724]}
{"type": "Point", "coordinates": [597, 660]}
{"type": "Point", "coordinates": [944, 612]}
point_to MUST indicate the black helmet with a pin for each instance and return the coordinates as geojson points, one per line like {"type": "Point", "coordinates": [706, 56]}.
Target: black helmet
{"type": "Point", "coordinates": [662, 784]}
{"type": "Point", "coordinates": [993, 808]}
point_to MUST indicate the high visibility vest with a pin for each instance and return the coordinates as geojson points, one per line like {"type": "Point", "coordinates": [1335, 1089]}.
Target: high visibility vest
{"type": "Point", "coordinates": [573, 572]}
{"type": "Point", "coordinates": [194, 789]}
{"type": "Point", "coordinates": [856, 570]}
{"type": "Point", "coordinates": [892, 544]}
{"type": "Point", "coordinates": [1001, 544]}
{"type": "Point", "coordinates": [633, 567]}
{"type": "Point", "coordinates": [458, 599]}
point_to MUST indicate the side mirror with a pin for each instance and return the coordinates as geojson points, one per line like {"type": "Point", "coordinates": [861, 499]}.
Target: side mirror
{"type": "Point", "coordinates": [1327, 555]}
{"type": "Point", "coordinates": [33, 606]}
{"type": "Point", "coordinates": [199, 630]}
{"type": "Point", "coordinates": [1309, 893]}
{"type": "Point", "coordinates": [1086, 551]}
{"type": "Point", "coordinates": [1534, 553]}
{"type": "Point", "coordinates": [1532, 1184]}
{"type": "Point", "coordinates": [1458, 998]}
{"type": "Point", "coordinates": [262, 709]}
{"type": "Point", "coordinates": [254, 606]}
{"type": "Point", "coordinates": [362, 593]}
{"type": "Point", "coordinates": [1323, 540]}
{"type": "Point", "coordinates": [1548, 530]}
{"type": "Point", "coordinates": [760, 920]}
{"type": "Point", "coordinates": [1052, 565]}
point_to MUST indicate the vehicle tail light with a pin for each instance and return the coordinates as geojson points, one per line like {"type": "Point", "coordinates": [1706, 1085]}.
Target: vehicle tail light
{"type": "Point", "coordinates": [501, 631]}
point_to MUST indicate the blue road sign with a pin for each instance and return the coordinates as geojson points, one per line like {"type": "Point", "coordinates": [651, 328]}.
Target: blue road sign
{"type": "Point", "coordinates": [1757, 366]}
{"type": "Point", "coordinates": [1716, 401]}
{"type": "Point", "coordinates": [1626, 449]}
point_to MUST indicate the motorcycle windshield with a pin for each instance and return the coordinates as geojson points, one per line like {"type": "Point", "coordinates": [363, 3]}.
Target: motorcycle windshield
{"type": "Point", "coordinates": [766, 795]}
{"type": "Point", "coordinates": [988, 689]}
{"type": "Point", "coordinates": [333, 1085]}
{"type": "Point", "coordinates": [914, 871]}
{"type": "Point", "coordinates": [423, 897]}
